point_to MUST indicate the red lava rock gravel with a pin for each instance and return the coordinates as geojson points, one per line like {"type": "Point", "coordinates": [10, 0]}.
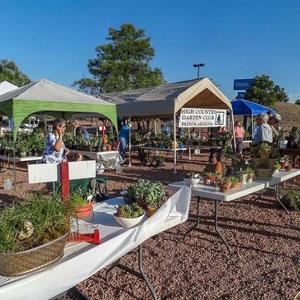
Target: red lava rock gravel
{"type": "Point", "coordinates": [264, 265]}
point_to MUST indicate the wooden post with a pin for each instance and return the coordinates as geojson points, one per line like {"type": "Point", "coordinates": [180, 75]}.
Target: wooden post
{"type": "Point", "coordinates": [174, 133]}
{"type": "Point", "coordinates": [65, 182]}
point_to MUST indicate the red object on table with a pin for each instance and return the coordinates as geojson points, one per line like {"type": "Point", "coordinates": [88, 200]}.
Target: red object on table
{"type": "Point", "coordinates": [65, 181]}
{"type": "Point", "coordinates": [93, 238]}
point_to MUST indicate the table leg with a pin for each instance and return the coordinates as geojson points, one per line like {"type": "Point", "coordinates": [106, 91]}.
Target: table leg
{"type": "Point", "coordinates": [277, 196]}
{"type": "Point", "coordinates": [217, 227]}
{"type": "Point", "coordinates": [75, 294]}
{"type": "Point", "coordinates": [198, 218]}
{"type": "Point", "coordinates": [141, 274]}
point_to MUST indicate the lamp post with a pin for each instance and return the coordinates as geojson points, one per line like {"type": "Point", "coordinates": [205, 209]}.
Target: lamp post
{"type": "Point", "coordinates": [198, 66]}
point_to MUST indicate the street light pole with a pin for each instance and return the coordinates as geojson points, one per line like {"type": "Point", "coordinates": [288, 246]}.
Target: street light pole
{"type": "Point", "coordinates": [198, 66]}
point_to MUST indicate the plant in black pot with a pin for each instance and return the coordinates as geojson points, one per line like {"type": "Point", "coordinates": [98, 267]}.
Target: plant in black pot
{"type": "Point", "coordinates": [22, 147]}
{"type": "Point", "coordinates": [158, 161]}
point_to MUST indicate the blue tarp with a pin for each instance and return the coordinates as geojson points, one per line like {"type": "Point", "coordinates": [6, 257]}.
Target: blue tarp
{"type": "Point", "coordinates": [244, 107]}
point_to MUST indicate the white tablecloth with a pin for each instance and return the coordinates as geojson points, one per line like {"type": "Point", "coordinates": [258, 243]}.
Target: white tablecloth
{"type": "Point", "coordinates": [82, 260]}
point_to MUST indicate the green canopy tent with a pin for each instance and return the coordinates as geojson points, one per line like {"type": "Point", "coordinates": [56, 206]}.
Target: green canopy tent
{"type": "Point", "coordinates": [44, 95]}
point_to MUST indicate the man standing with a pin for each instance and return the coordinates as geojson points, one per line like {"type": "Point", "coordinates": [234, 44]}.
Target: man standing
{"type": "Point", "coordinates": [264, 131]}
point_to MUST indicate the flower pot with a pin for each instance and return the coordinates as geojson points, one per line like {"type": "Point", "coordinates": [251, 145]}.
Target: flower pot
{"type": "Point", "coordinates": [192, 181]}
{"type": "Point", "coordinates": [265, 154]}
{"type": "Point", "coordinates": [141, 203]}
{"type": "Point", "coordinates": [150, 211]}
{"type": "Point", "coordinates": [282, 164]}
{"type": "Point", "coordinates": [104, 148]}
{"type": "Point", "coordinates": [206, 180]}
{"type": "Point", "coordinates": [287, 168]}
{"type": "Point", "coordinates": [276, 171]}
{"type": "Point", "coordinates": [237, 185]}
{"type": "Point", "coordinates": [250, 179]}
{"type": "Point", "coordinates": [108, 147]}
{"type": "Point", "coordinates": [22, 154]}
{"type": "Point", "coordinates": [84, 211]}
{"type": "Point", "coordinates": [225, 187]}
{"type": "Point", "coordinates": [283, 144]}
{"type": "Point", "coordinates": [19, 263]}
{"type": "Point", "coordinates": [128, 222]}
{"type": "Point", "coordinates": [244, 178]}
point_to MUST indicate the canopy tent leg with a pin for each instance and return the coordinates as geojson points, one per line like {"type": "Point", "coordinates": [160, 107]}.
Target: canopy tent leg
{"type": "Point", "coordinates": [234, 141]}
{"type": "Point", "coordinates": [129, 141]}
{"type": "Point", "coordinates": [174, 147]}
{"type": "Point", "coordinates": [252, 129]}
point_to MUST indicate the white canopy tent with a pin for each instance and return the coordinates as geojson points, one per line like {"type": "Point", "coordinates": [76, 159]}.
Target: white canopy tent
{"type": "Point", "coordinates": [6, 86]}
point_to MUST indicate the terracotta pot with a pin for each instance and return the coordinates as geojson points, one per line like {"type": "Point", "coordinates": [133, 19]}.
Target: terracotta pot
{"type": "Point", "coordinates": [206, 181]}
{"type": "Point", "coordinates": [84, 211]}
{"type": "Point", "coordinates": [150, 211]}
{"type": "Point", "coordinates": [212, 178]}
{"type": "Point", "coordinates": [282, 164]}
{"type": "Point", "coordinates": [141, 203]}
{"type": "Point", "coordinates": [225, 187]}
{"type": "Point", "coordinates": [237, 185]}
{"type": "Point", "coordinates": [265, 154]}
{"type": "Point", "coordinates": [108, 147]}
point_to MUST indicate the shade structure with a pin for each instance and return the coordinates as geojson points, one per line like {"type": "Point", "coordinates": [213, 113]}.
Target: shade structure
{"type": "Point", "coordinates": [44, 95]}
{"type": "Point", "coordinates": [242, 107]}
{"type": "Point", "coordinates": [6, 86]}
{"type": "Point", "coordinates": [168, 99]}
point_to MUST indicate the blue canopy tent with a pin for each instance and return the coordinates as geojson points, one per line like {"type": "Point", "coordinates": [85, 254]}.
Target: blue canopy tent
{"type": "Point", "coordinates": [242, 107]}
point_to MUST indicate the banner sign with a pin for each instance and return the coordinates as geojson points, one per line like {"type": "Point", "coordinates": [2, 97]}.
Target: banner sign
{"type": "Point", "coordinates": [202, 117]}
{"type": "Point", "coordinates": [241, 95]}
{"type": "Point", "coordinates": [242, 84]}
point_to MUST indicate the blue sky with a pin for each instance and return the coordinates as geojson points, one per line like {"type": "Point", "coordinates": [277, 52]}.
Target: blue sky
{"type": "Point", "coordinates": [235, 39]}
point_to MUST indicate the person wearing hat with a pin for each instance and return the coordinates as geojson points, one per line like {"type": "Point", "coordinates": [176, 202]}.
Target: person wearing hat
{"type": "Point", "coordinates": [264, 132]}
{"type": "Point", "coordinates": [273, 121]}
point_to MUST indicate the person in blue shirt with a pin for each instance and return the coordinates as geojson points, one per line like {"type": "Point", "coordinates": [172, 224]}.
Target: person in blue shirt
{"type": "Point", "coordinates": [55, 150]}
{"type": "Point", "coordinates": [79, 130]}
{"type": "Point", "coordinates": [124, 139]}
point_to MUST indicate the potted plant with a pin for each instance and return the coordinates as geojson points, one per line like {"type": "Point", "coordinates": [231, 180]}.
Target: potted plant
{"type": "Point", "coordinates": [129, 215]}
{"type": "Point", "coordinates": [22, 147]}
{"type": "Point", "coordinates": [158, 160]}
{"type": "Point", "coordinates": [277, 166]}
{"type": "Point", "coordinates": [138, 191]}
{"type": "Point", "coordinates": [192, 178]}
{"type": "Point", "coordinates": [225, 184]}
{"type": "Point", "coordinates": [243, 176]}
{"type": "Point", "coordinates": [82, 207]}
{"type": "Point", "coordinates": [250, 175]}
{"type": "Point", "coordinates": [235, 182]}
{"type": "Point", "coordinates": [265, 150]}
{"type": "Point", "coordinates": [155, 197]}
{"type": "Point", "coordinates": [33, 234]}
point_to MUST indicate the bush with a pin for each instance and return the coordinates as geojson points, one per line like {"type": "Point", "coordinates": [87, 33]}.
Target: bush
{"type": "Point", "coordinates": [291, 198]}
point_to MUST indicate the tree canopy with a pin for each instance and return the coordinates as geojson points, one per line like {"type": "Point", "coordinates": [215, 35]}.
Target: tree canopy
{"type": "Point", "coordinates": [9, 71]}
{"type": "Point", "coordinates": [121, 64]}
{"type": "Point", "coordinates": [297, 102]}
{"type": "Point", "coordinates": [264, 91]}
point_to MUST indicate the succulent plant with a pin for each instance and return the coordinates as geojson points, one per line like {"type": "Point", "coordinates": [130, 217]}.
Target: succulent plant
{"type": "Point", "coordinates": [129, 211]}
